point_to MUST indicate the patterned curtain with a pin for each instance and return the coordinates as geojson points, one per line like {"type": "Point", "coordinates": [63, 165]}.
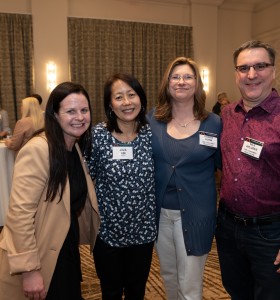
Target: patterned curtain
{"type": "Point", "coordinates": [16, 62]}
{"type": "Point", "coordinates": [99, 48]}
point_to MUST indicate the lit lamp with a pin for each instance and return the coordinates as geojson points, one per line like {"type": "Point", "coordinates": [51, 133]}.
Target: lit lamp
{"type": "Point", "coordinates": [205, 79]}
{"type": "Point", "coordinates": [51, 76]}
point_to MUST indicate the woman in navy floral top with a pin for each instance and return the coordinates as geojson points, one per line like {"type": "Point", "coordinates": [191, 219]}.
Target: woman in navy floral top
{"type": "Point", "coordinates": [122, 165]}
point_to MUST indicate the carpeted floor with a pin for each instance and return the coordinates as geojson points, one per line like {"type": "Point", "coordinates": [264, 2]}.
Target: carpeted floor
{"type": "Point", "coordinates": [212, 289]}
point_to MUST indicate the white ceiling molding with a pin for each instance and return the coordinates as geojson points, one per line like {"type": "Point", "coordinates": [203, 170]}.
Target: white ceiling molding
{"type": "Point", "coordinates": [261, 5]}
{"type": "Point", "coordinates": [168, 2]}
{"type": "Point", "coordinates": [271, 34]}
{"type": "Point", "coordinates": [238, 5]}
{"type": "Point", "coordinates": [208, 2]}
{"type": "Point", "coordinates": [247, 5]}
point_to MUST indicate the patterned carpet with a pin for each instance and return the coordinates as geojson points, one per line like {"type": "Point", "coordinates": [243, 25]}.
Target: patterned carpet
{"type": "Point", "coordinates": [212, 289]}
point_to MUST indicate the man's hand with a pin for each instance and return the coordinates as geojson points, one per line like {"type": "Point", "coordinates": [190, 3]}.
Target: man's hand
{"type": "Point", "coordinates": [277, 261]}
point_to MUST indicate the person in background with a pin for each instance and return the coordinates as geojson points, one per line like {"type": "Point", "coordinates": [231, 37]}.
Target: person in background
{"type": "Point", "coordinates": [31, 121]}
{"type": "Point", "coordinates": [121, 164]}
{"type": "Point", "coordinates": [248, 229]}
{"type": "Point", "coordinates": [52, 200]}
{"type": "Point", "coordinates": [4, 123]}
{"type": "Point", "coordinates": [222, 98]}
{"type": "Point", "coordinates": [185, 141]}
{"type": "Point", "coordinates": [224, 102]}
{"type": "Point", "coordinates": [38, 97]}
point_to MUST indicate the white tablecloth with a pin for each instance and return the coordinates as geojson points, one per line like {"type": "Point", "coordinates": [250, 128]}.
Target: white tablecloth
{"type": "Point", "coordinates": [7, 158]}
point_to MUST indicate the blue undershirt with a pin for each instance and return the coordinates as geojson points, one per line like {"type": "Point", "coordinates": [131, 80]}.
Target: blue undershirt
{"type": "Point", "coordinates": [175, 149]}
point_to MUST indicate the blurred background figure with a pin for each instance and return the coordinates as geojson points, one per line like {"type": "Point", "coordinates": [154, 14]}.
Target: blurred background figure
{"type": "Point", "coordinates": [38, 97]}
{"type": "Point", "coordinates": [222, 97]}
{"type": "Point", "coordinates": [40, 100]}
{"type": "Point", "coordinates": [223, 103]}
{"type": "Point", "coordinates": [4, 123]}
{"type": "Point", "coordinates": [31, 121]}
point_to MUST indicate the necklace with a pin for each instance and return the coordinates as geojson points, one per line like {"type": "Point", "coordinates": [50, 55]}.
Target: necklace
{"type": "Point", "coordinates": [184, 125]}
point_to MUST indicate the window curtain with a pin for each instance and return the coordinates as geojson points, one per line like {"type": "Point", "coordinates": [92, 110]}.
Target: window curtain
{"type": "Point", "coordinates": [99, 48]}
{"type": "Point", "coordinates": [16, 62]}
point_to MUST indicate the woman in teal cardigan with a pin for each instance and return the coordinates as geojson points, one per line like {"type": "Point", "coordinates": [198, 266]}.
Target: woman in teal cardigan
{"type": "Point", "coordinates": [186, 152]}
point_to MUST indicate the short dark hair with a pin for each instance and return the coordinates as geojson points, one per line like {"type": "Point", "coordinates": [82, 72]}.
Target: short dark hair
{"type": "Point", "coordinates": [38, 97]}
{"type": "Point", "coordinates": [255, 44]}
{"type": "Point", "coordinates": [112, 123]}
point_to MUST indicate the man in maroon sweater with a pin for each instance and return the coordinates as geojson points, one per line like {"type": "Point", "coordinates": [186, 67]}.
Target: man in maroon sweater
{"type": "Point", "coordinates": [248, 230]}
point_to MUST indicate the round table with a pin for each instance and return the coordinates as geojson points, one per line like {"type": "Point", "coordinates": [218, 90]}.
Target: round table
{"type": "Point", "coordinates": [7, 158]}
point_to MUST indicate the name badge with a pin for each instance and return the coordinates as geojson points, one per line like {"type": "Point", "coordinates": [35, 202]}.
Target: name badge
{"type": "Point", "coordinates": [208, 139]}
{"type": "Point", "coordinates": [122, 152]}
{"type": "Point", "coordinates": [252, 148]}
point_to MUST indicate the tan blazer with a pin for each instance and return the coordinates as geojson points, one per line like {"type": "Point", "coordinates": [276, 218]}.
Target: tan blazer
{"type": "Point", "coordinates": [23, 131]}
{"type": "Point", "coordinates": [36, 229]}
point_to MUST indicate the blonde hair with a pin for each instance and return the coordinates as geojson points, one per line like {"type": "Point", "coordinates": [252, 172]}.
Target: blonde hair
{"type": "Point", "coordinates": [222, 95]}
{"type": "Point", "coordinates": [31, 108]}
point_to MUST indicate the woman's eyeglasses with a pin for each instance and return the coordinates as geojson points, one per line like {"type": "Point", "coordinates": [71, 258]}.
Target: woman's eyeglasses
{"type": "Point", "coordinates": [177, 78]}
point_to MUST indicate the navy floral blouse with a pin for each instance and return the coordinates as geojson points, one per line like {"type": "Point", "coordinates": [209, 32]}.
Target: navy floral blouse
{"type": "Point", "coordinates": [125, 188]}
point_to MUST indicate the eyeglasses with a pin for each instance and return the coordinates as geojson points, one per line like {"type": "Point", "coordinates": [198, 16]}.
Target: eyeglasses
{"type": "Point", "coordinates": [257, 67]}
{"type": "Point", "coordinates": [177, 78]}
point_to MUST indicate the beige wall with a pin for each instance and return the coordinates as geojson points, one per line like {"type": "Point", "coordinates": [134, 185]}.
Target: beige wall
{"type": "Point", "coordinates": [50, 41]}
{"type": "Point", "coordinates": [217, 28]}
{"type": "Point", "coordinates": [230, 37]}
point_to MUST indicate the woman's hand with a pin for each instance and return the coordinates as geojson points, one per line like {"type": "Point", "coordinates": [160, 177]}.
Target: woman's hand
{"type": "Point", "coordinates": [33, 285]}
{"type": "Point", "coordinates": [7, 142]}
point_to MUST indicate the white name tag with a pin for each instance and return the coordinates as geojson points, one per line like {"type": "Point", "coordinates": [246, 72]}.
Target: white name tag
{"type": "Point", "coordinates": [208, 139]}
{"type": "Point", "coordinates": [122, 152]}
{"type": "Point", "coordinates": [252, 148]}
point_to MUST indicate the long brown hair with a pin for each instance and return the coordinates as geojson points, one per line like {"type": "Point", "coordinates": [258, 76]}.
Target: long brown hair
{"type": "Point", "coordinates": [163, 110]}
{"type": "Point", "coordinates": [56, 142]}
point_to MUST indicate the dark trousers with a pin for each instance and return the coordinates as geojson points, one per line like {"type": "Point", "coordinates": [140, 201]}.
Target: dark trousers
{"type": "Point", "coordinates": [247, 255]}
{"type": "Point", "coordinates": [122, 270]}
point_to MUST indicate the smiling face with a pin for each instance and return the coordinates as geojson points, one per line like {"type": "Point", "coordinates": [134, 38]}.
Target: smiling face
{"type": "Point", "coordinates": [125, 102]}
{"type": "Point", "coordinates": [73, 117]}
{"type": "Point", "coordinates": [182, 89]}
{"type": "Point", "coordinates": [254, 85]}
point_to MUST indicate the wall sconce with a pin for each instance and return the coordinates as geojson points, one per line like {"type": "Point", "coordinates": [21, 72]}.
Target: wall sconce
{"type": "Point", "coordinates": [51, 76]}
{"type": "Point", "coordinates": [205, 79]}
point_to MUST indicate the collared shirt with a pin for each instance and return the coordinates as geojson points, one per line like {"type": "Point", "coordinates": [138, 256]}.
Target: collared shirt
{"type": "Point", "coordinates": [251, 187]}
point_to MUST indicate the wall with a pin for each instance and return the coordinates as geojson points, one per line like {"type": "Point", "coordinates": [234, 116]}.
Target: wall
{"type": "Point", "coordinates": [230, 37]}
{"type": "Point", "coordinates": [219, 27]}
{"type": "Point", "coordinates": [266, 27]}
{"type": "Point", "coordinates": [205, 35]}
{"type": "Point", "coordinates": [238, 23]}
{"type": "Point", "coordinates": [50, 41]}
{"type": "Point", "coordinates": [15, 6]}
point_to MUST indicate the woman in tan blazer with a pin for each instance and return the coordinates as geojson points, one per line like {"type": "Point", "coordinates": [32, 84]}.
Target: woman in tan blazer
{"type": "Point", "coordinates": [53, 205]}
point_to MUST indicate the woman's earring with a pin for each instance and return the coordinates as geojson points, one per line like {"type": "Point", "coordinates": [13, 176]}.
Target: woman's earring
{"type": "Point", "coordinates": [111, 114]}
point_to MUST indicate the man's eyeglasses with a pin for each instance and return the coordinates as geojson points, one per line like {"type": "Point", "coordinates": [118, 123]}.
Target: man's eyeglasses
{"type": "Point", "coordinates": [257, 67]}
{"type": "Point", "coordinates": [177, 78]}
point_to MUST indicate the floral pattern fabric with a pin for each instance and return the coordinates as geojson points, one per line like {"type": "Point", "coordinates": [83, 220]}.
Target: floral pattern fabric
{"type": "Point", "coordinates": [125, 188]}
